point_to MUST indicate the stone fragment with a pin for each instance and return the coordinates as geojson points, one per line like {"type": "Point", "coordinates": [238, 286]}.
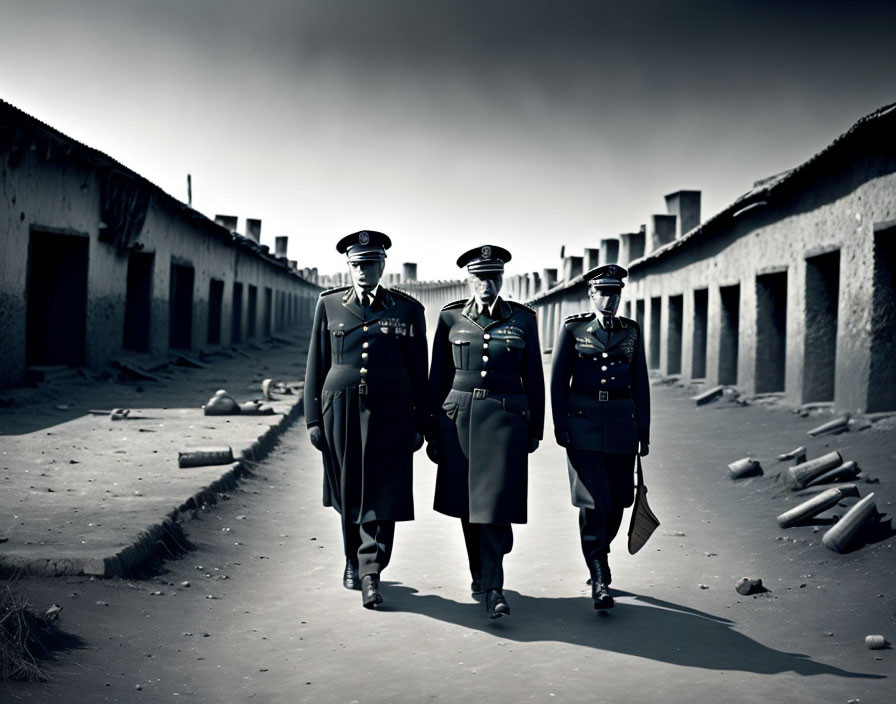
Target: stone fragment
{"type": "Point", "coordinates": [838, 425]}
{"type": "Point", "coordinates": [876, 642]}
{"type": "Point", "coordinates": [202, 456]}
{"type": "Point", "coordinates": [52, 613]}
{"type": "Point", "coordinates": [748, 585]}
{"type": "Point", "coordinates": [746, 467]}
{"type": "Point", "coordinates": [803, 473]}
{"type": "Point", "coordinates": [843, 532]}
{"type": "Point", "coordinates": [708, 396]}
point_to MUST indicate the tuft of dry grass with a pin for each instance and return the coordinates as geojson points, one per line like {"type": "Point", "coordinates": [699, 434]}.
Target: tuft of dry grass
{"type": "Point", "coordinates": [23, 636]}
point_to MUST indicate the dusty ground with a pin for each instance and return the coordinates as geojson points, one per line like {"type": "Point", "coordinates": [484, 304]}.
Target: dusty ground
{"type": "Point", "coordinates": [265, 617]}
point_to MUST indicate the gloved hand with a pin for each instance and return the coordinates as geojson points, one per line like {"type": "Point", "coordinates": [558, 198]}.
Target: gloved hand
{"type": "Point", "coordinates": [533, 444]}
{"type": "Point", "coordinates": [562, 438]}
{"type": "Point", "coordinates": [643, 448]}
{"type": "Point", "coordinates": [432, 451]}
{"type": "Point", "coordinates": [418, 441]}
{"type": "Point", "coordinates": [317, 437]}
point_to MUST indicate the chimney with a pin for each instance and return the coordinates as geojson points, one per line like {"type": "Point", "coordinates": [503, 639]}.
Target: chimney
{"type": "Point", "coordinates": [572, 267]}
{"type": "Point", "coordinates": [548, 279]}
{"type": "Point", "coordinates": [660, 231]}
{"type": "Point", "coordinates": [685, 205]}
{"type": "Point", "coordinates": [313, 275]}
{"type": "Point", "coordinates": [592, 258]}
{"type": "Point", "coordinates": [228, 221]}
{"type": "Point", "coordinates": [294, 265]}
{"type": "Point", "coordinates": [609, 250]}
{"type": "Point", "coordinates": [632, 247]}
{"type": "Point", "coordinates": [280, 245]}
{"type": "Point", "coordinates": [409, 272]}
{"type": "Point", "coordinates": [253, 229]}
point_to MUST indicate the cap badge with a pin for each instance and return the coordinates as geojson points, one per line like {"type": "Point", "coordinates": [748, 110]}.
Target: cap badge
{"type": "Point", "coordinates": [486, 252]}
{"type": "Point", "coordinates": [364, 237]}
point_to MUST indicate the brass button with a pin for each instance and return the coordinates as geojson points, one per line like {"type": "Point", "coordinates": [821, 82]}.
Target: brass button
{"type": "Point", "coordinates": [484, 358]}
{"type": "Point", "coordinates": [603, 381]}
{"type": "Point", "coordinates": [363, 371]}
{"type": "Point", "coordinates": [485, 345]}
{"type": "Point", "coordinates": [603, 368]}
{"type": "Point", "coordinates": [483, 373]}
{"type": "Point", "coordinates": [365, 345]}
{"type": "Point", "coordinates": [486, 337]}
{"type": "Point", "coordinates": [364, 355]}
{"type": "Point", "coordinates": [604, 354]}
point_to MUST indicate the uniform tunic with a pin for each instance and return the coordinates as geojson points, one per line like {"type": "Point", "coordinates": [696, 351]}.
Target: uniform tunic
{"type": "Point", "coordinates": [365, 385]}
{"type": "Point", "coordinates": [487, 399]}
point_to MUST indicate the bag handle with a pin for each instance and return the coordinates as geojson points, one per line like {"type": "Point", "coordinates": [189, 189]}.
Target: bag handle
{"type": "Point", "coordinates": [641, 485]}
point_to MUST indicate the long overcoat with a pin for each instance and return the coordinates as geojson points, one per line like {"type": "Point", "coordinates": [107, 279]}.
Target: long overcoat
{"type": "Point", "coordinates": [487, 401]}
{"type": "Point", "coordinates": [600, 391]}
{"type": "Point", "coordinates": [365, 385]}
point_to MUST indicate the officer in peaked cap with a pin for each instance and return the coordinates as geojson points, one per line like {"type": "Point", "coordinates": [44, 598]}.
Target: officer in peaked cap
{"type": "Point", "coordinates": [365, 406]}
{"type": "Point", "coordinates": [486, 392]}
{"type": "Point", "coordinates": [600, 398]}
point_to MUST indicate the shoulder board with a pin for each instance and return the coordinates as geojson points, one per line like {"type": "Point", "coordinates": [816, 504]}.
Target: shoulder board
{"type": "Point", "coordinates": [523, 306]}
{"type": "Point", "coordinates": [454, 304]}
{"type": "Point", "coordinates": [331, 291]}
{"type": "Point", "coordinates": [578, 316]}
{"type": "Point", "coordinates": [405, 295]}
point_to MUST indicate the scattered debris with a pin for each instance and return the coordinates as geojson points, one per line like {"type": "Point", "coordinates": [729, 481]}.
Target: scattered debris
{"type": "Point", "coordinates": [266, 388]}
{"type": "Point", "coordinates": [798, 455]}
{"type": "Point", "coordinates": [840, 536]}
{"type": "Point", "coordinates": [803, 473]}
{"type": "Point", "coordinates": [746, 467]}
{"type": "Point", "coordinates": [256, 408]}
{"type": "Point", "coordinates": [185, 360]}
{"type": "Point", "coordinates": [846, 471]}
{"type": "Point", "coordinates": [202, 456]}
{"type": "Point", "coordinates": [220, 405]}
{"type": "Point", "coordinates": [120, 413]}
{"type": "Point", "coordinates": [876, 642]}
{"type": "Point", "coordinates": [838, 425]}
{"type": "Point", "coordinates": [52, 613]}
{"type": "Point", "coordinates": [708, 396]}
{"type": "Point", "coordinates": [817, 504]}
{"type": "Point", "coordinates": [858, 424]}
{"type": "Point", "coordinates": [749, 585]}
{"type": "Point", "coordinates": [129, 369]}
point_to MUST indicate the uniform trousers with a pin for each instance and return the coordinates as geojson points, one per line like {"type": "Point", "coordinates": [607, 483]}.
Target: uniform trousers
{"type": "Point", "coordinates": [609, 479]}
{"type": "Point", "coordinates": [487, 543]}
{"type": "Point", "coordinates": [368, 546]}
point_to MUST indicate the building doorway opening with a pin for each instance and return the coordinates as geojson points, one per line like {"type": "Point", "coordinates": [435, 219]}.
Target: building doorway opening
{"type": "Point", "coordinates": [882, 380]}
{"type": "Point", "coordinates": [639, 313]}
{"type": "Point", "coordinates": [656, 308]}
{"type": "Point", "coordinates": [268, 312]}
{"type": "Point", "coordinates": [771, 331]}
{"type": "Point", "coordinates": [820, 346]}
{"type": "Point", "coordinates": [215, 306]}
{"type": "Point", "coordinates": [252, 313]}
{"type": "Point", "coordinates": [673, 336]}
{"type": "Point", "coordinates": [701, 322]}
{"type": "Point", "coordinates": [56, 313]}
{"type": "Point", "coordinates": [236, 314]}
{"type": "Point", "coordinates": [138, 304]}
{"type": "Point", "coordinates": [180, 330]}
{"type": "Point", "coordinates": [729, 333]}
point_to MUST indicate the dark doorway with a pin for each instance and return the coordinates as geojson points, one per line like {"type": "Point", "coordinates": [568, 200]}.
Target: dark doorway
{"type": "Point", "coordinates": [252, 313]}
{"type": "Point", "coordinates": [56, 325]}
{"type": "Point", "coordinates": [771, 331]}
{"type": "Point", "coordinates": [215, 305]}
{"type": "Point", "coordinates": [820, 346]}
{"type": "Point", "coordinates": [268, 312]}
{"type": "Point", "coordinates": [882, 379]}
{"type": "Point", "coordinates": [180, 330]}
{"type": "Point", "coordinates": [701, 322]}
{"type": "Point", "coordinates": [639, 313]}
{"type": "Point", "coordinates": [236, 314]}
{"type": "Point", "coordinates": [729, 333]}
{"type": "Point", "coordinates": [656, 307]}
{"type": "Point", "coordinates": [673, 337]}
{"type": "Point", "coordinates": [138, 305]}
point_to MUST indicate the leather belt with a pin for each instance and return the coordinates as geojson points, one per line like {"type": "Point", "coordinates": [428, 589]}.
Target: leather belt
{"type": "Point", "coordinates": [613, 395]}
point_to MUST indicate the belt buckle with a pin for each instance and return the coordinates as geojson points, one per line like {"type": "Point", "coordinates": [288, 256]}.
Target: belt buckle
{"type": "Point", "coordinates": [480, 393]}
{"type": "Point", "coordinates": [603, 396]}
{"type": "Point", "coordinates": [362, 388]}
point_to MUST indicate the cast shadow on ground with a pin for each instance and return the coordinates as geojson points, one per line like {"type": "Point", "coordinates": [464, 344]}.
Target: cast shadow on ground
{"type": "Point", "coordinates": [639, 625]}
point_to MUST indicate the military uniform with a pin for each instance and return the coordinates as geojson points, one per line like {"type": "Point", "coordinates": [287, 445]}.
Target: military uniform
{"type": "Point", "coordinates": [487, 398]}
{"type": "Point", "coordinates": [365, 386]}
{"type": "Point", "coordinates": [600, 401]}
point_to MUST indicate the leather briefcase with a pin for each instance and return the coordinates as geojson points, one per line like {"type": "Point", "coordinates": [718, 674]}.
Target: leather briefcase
{"type": "Point", "coordinates": [643, 521]}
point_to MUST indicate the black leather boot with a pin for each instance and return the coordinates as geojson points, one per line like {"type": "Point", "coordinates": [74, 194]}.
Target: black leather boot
{"type": "Point", "coordinates": [495, 604]}
{"type": "Point", "coordinates": [370, 591]}
{"type": "Point", "coordinates": [600, 592]}
{"type": "Point", "coordinates": [476, 584]}
{"type": "Point", "coordinates": [350, 579]}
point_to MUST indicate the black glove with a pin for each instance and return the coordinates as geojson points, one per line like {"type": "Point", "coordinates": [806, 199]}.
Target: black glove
{"type": "Point", "coordinates": [418, 441]}
{"type": "Point", "coordinates": [432, 451]}
{"type": "Point", "coordinates": [562, 438]}
{"type": "Point", "coordinates": [533, 444]}
{"type": "Point", "coordinates": [317, 437]}
{"type": "Point", "coordinates": [643, 448]}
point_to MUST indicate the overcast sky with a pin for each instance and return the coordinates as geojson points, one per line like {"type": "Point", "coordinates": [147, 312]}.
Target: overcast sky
{"type": "Point", "coordinates": [449, 124]}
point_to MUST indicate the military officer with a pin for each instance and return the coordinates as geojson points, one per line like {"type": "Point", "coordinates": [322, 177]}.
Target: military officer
{"type": "Point", "coordinates": [486, 388]}
{"type": "Point", "coordinates": [600, 398]}
{"type": "Point", "coordinates": [366, 406]}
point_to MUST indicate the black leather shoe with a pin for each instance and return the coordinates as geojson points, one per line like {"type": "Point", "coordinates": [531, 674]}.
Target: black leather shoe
{"type": "Point", "coordinates": [350, 579]}
{"type": "Point", "coordinates": [370, 591]}
{"type": "Point", "coordinates": [600, 592]}
{"type": "Point", "coordinates": [605, 569]}
{"type": "Point", "coordinates": [476, 584]}
{"type": "Point", "coordinates": [496, 604]}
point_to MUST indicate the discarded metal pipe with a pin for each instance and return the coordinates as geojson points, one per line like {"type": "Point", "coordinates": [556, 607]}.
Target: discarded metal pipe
{"type": "Point", "coordinates": [847, 470]}
{"type": "Point", "coordinates": [817, 504]}
{"type": "Point", "coordinates": [798, 455]}
{"type": "Point", "coordinates": [746, 467]}
{"type": "Point", "coordinates": [802, 474]}
{"type": "Point", "coordinates": [876, 642]}
{"type": "Point", "coordinates": [708, 396]}
{"type": "Point", "coordinates": [832, 426]}
{"type": "Point", "coordinates": [202, 456]}
{"type": "Point", "coordinates": [839, 537]}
